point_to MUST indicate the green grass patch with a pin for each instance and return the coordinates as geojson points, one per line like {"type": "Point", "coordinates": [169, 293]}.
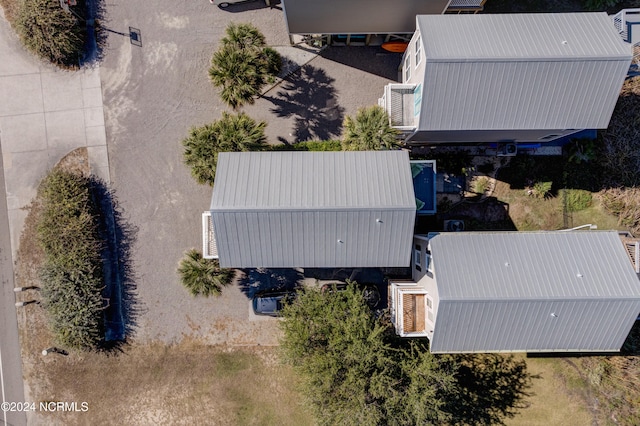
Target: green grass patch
{"type": "Point", "coordinates": [576, 200]}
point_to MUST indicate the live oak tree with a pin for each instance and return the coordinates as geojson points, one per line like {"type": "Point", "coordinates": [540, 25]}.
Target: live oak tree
{"type": "Point", "coordinates": [356, 371]}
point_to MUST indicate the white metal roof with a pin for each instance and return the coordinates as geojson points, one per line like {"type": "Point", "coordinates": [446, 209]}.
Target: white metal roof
{"type": "Point", "coordinates": [521, 71]}
{"type": "Point", "coordinates": [532, 265]}
{"type": "Point", "coordinates": [313, 209]}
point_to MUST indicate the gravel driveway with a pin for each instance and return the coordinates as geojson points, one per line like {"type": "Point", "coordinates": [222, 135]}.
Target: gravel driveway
{"type": "Point", "coordinates": [153, 94]}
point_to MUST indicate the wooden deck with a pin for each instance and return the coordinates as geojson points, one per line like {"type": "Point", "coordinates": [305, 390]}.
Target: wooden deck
{"type": "Point", "coordinates": [413, 314]}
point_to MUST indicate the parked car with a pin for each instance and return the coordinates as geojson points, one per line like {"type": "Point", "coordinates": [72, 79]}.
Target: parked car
{"type": "Point", "coordinates": [225, 4]}
{"type": "Point", "coordinates": [370, 291]}
{"type": "Point", "coordinates": [271, 302]}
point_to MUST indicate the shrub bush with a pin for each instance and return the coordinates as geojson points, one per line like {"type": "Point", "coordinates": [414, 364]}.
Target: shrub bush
{"type": "Point", "coordinates": [68, 232]}
{"type": "Point", "coordinates": [576, 199]}
{"type": "Point", "coordinates": [203, 276]}
{"type": "Point", "coordinates": [542, 189]}
{"type": "Point", "coordinates": [50, 32]}
{"type": "Point", "coordinates": [330, 145]}
{"type": "Point", "coordinates": [625, 204]}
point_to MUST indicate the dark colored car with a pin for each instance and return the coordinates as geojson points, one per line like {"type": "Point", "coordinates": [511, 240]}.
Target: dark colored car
{"type": "Point", "coordinates": [370, 291]}
{"type": "Point", "coordinates": [225, 4]}
{"type": "Point", "coordinates": [271, 302]}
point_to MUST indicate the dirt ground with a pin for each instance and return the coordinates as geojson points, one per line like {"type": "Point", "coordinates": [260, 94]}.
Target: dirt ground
{"type": "Point", "coordinates": [153, 94]}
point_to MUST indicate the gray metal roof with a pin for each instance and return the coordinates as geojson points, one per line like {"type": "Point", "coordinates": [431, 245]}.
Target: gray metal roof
{"type": "Point", "coordinates": [549, 36]}
{"type": "Point", "coordinates": [532, 265]}
{"type": "Point", "coordinates": [313, 209]}
{"type": "Point", "coordinates": [533, 291]}
{"type": "Point", "coordinates": [357, 16]}
{"type": "Point", "coordinates": [521, 71]}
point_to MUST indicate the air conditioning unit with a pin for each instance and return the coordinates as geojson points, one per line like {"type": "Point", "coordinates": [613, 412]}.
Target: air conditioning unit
{"type": "Point", "coordinates": [454, 225]}
{"type": "Point", "coordinates": [507, 150]}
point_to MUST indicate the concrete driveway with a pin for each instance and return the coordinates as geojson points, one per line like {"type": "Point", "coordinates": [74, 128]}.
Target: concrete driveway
{"type": "Point", "coordinates": [153, 94]}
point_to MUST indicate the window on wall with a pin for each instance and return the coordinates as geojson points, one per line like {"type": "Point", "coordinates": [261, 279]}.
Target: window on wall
{"type": "Point", "coordinates": [417, 258]}
{"type": "Point", "coordinates": [407, 67]}
{"type": "Point", "coordinates": [429, 262]}
{"type": "Point", "coordinates": [418, 52]}
{"type": "Point", "coordinates": [429, 309]}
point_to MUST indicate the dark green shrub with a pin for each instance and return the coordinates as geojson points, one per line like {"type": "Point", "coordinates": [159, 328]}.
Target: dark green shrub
{"type": "Point", "coordinates": [72, 281]}
{"type": "Point", "coordinates": [50, 32]}
{"type": "Point", "coordinates": [330, 145]}
{"type": "Point", "coordinates": [203, 276]}
{"type": "Point", "coordinates": [576, 199]}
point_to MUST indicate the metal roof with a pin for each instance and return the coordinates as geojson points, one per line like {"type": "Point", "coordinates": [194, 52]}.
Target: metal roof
{"type": "Point", "coordinates": [521, 71]}
{"type": "Point", "coordinates": [313, 209]}
{"type": "Point", "coordinates": [357, 16]}
{"type": "Point", "coordinates": [533, 292]}
{"type": "Point", "coordinates": [527, 36]}
{"type": "Point", "coordinates": [532, 265]}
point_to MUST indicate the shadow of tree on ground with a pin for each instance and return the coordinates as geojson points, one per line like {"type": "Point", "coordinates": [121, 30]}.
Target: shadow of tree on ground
{"type": "Point", "coordinates": [309, 97]}
{"type": "Point", "coordinates": [121, 313]}
{"type": "Point", "coordinates": [256, 280]}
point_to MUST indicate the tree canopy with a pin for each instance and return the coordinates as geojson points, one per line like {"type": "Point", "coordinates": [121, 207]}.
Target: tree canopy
{"type": "Point", "coordinates": [243, 65]}
{"type": "Point", "coordinates": [369, 130]}
{"type": "Point", "coordinates": [356, 371]}
{"type": "Point", "coordinates": [232, 133]}
{"type": "Point", "coordinates": [203, 276]}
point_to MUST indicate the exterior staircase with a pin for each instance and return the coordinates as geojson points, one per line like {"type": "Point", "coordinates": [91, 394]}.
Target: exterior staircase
{"type": "Point", "coordinates": [627, 22]}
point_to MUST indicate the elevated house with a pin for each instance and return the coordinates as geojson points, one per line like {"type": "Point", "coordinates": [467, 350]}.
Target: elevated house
{"type": "Point", "coordinates": [363, 22]}
{"type": "Point", "coordinates": [513, 78]}
{"type": "Point", "coordinates": [519, 292]}
{"type": "Point", "coordinates": [313, 209]}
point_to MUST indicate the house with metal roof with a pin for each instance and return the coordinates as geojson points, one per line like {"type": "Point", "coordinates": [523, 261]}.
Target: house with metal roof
{"type": "Point", "coordinates": [363, 22]}
{"type": "Point", "coordinates": [518, 292]}
{"type": "Point", "coordinates": [507, 78]}
{"type": "Point", "coordinates": [311, 209]}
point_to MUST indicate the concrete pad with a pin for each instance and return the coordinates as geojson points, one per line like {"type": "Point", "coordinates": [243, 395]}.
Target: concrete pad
{"type": "Point", "coordinates": [20, 94]}
{"type": "Point", "coordinates": [16, 223]}
{"type": "Point", "coordinates": [10, 47]}
{"type": "Point", "coordinates": [96, 136]}
{"type": "Point", "coordinates": [65, 129]}
{"type": "Point", "coordinates": [61, 91]}
{"type": "Point", "coordinates": [98, 157]}
{"type": "Point", "coordinates": [92, 97]}
{"type": "Point", "coordinates": [94, 116]}
{"type": "Point", "coordinates": [90, 78]}
{"type": "Point", "coordinates": [24, 132]}
{"type": "Point", "coordinates": [22, 175]}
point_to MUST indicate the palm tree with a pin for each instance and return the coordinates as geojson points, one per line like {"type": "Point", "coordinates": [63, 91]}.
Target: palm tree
{"type": "Point", "coordinates": [244, 37]}
{"type": "Point", "coordinates": [203, 276]}
{"type": "Point", "coordinates": [243, 65]}
{"type": "Point", "coordinates": [232, 133]}
{"type": "Point", "coordinates": [370, 130]}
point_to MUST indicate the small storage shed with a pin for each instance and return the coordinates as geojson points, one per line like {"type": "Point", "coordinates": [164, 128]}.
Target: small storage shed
{"type": "Point", "coordinates": [313, 209]}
